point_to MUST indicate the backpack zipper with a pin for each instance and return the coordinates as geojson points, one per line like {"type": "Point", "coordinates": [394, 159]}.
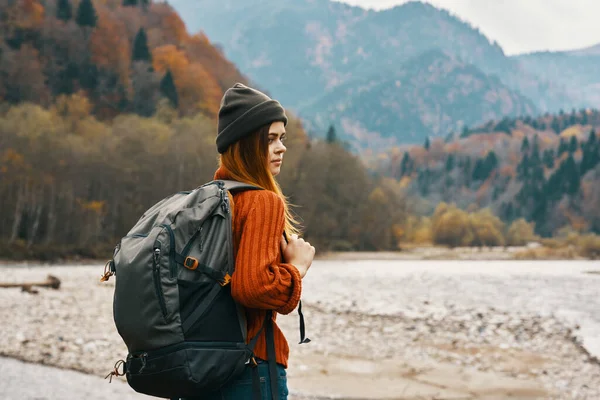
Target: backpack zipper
{"type": "Point", "coordinates": [192, 345]}
{"type": "Point", "coordinates": [157, 285]}
{"type": "Point", "coordinates": [171, 250]}
{"type": "Point", "coordinates": [186, 249]}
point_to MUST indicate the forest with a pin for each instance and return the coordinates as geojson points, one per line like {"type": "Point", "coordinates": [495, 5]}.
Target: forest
{"type": "Point", "coordinates": [109, 106]}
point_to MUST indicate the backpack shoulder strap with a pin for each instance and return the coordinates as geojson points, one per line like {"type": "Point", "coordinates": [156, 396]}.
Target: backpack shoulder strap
{"type": "Point", "coordinates": [235, 185]}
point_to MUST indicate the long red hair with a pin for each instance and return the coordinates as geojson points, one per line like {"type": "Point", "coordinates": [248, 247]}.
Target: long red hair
{"type": "Point", "coordinates": [247, 160]}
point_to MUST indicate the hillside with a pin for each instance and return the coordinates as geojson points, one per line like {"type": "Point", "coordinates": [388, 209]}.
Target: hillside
{"type": "Point", "coordinates": [428, 96]}
{"type": "Point", "coordinates": [544, 169]}
{"type": "Point", "coordinates": [107, 108]}
{"type": "Point", "coordinates": [121, 58]}
{"type": "Point", "coordinates": [304, 50]}
{"type": "Point", "coordinates": [578, 70]}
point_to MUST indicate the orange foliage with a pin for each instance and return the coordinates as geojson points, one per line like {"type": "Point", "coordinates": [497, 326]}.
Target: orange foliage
{"type": "Point", "coordinates": [197, 89]}
{"type": "Point", "coordinates": [418, 154]}
{"type": "Point", "coordinates": [110, 47]}
{"type": "Point", "coordinates": [25, 14]}
{"type": "Point", "coordinates": [201, 51]}
{"type": "Point", "coordinates": [171, 23]}
{"type": "Point", "coordinates": [169, 57]}
{"type": "Point", "coordinates": [94, 206]}
{"type": "Point", "coordinates": [453, 147]}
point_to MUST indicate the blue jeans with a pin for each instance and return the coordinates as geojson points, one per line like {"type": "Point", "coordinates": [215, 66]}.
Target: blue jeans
{"type": "Point", "coordinates": [241, 387]}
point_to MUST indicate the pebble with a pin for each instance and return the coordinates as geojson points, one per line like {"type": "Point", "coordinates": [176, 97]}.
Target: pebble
{"type": "Point", "coordinates": [481, 337]}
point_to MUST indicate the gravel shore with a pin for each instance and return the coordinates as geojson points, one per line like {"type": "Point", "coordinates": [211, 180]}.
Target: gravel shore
{"type": "Point", "coordinates": [380, 329]}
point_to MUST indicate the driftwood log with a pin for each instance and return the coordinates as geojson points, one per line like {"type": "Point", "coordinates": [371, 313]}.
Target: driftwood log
{"type": "Point", "coordinates": [50, 282]}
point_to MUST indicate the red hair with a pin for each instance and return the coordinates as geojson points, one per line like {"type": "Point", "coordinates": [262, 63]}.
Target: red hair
{"type": "Point", "coordinates": [247, 160]}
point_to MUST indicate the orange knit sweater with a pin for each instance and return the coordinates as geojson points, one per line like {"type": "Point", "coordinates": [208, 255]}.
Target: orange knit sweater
{"type": "Point", "coordinates": [261, 280]}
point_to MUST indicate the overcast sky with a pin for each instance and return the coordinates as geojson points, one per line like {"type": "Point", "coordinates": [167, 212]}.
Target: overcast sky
{"type": "Point", "coordinates": [522, 26]}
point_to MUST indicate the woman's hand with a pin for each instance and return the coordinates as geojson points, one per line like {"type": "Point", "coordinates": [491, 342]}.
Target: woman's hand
{"type": "Point", "coordinates": [298, 253]}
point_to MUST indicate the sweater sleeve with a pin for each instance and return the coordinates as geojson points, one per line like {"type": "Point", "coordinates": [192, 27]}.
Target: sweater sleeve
{"type": "Point", "coordinates": [260, 279]}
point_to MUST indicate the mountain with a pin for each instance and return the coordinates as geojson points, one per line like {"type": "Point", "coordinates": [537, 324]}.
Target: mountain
{"type": "Point", "coordinates": [302, 51]}
{"type": "Point", "coordinates": [430, 95]}
{"type": "Point", "coordinates": [579, 70]}
{"type": "Point", "coordinates": [592, 50]}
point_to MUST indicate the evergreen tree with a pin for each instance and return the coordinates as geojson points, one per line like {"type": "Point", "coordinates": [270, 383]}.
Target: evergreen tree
{"type": "Point", "coordinates": [556, 126]}
{"type": "Point", "coordinates": [525, 145]}
{"type": "Point", "coordinates": [450, 162]}
{"type": "Point", "coordinates": [168, 89]}
{"type": "Point", "coordinates": [572, 119]}
{"type": "Point", "coordinates": [504, 125]}
{"type": "Point", "coordinates": [562, 147]}
{"type": "Point", "coordinates": [405, 165]}
{"type": "Point", "coordinates": [479, 170]}
{"type": "Point", "coordinates": [86, 14]}
{"type": "Point", "coordinates": [535, 149]}
{"type": "Point", "coordinates": [523, 168]}
{"type": "Point", "coordinates": [572, 178]}
{"type": "Point", "coordinates": [88, 76]}
{"type": "Point", "coordinates": [592, 140]}
{"type": "Point", "coordinates": [591, 155]}
{"type": "Point", "coordinates": [64, 10]}
{"type": "Point", "coordinates": [584, 117]}
{"type": "Point", "coordinates": [331, 135]}
{"type": "Point", "coordinates": [130, 3]}
{"type": "Point", "coordinates": [573, 145]}
{"type": "Point", "coordinates": [508, 212]}
{"type": "Point", "coordinates": [548, 158]}
{"type": "Point", "coordinates": [141, 52]}
{"type": "Point", "coordinates": [467, 170]}
{"type": "Point", "coordinates": [423, 181]}
{"type": "Point", "coordinates": [427, 144]}
{"type": "Point", "coordinates": [490, 163]}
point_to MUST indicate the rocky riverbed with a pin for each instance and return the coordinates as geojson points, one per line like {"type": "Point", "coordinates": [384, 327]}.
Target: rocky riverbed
{"type": "Point", "coordinates": [379, 329]}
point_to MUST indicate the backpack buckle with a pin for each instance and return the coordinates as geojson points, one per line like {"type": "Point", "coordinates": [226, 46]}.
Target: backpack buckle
{"type": "Point", "coordinates": [252, 362]}
{"type": "Point", "coordinates": [226, 280]}
{"type": "Point", "coordinates": [190, 263]}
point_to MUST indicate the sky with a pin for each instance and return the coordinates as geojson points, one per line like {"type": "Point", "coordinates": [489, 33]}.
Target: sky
{"type": "Point", "coordinates": [521, 26]}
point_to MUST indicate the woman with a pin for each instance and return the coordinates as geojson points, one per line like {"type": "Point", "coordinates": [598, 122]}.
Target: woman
{"type": "Point", "coordinates": [268, 269]}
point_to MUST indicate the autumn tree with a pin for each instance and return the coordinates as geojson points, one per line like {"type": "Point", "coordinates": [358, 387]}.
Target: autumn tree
{"type": "Point", "coordinates": [520, 233]}
{"type": "Point", "coordinates": [486, 229]}
{"type": "Point", "coordinates": [451, 226]}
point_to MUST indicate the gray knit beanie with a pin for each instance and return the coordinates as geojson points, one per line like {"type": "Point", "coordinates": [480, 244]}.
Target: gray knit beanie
{"type": "Point", "coordinates": [244, 110]}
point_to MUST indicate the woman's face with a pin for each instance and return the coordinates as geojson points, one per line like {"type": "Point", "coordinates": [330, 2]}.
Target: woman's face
{"type": "Point", "coordinates": [276, 147]}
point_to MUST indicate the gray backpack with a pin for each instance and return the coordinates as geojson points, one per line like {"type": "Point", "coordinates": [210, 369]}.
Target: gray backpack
{"type": "Point", "coordinates": [172, 302]}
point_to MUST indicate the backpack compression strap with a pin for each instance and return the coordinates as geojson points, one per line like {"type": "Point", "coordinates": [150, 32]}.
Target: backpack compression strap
{"type": "Point", "coordinates": [271, 360]}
